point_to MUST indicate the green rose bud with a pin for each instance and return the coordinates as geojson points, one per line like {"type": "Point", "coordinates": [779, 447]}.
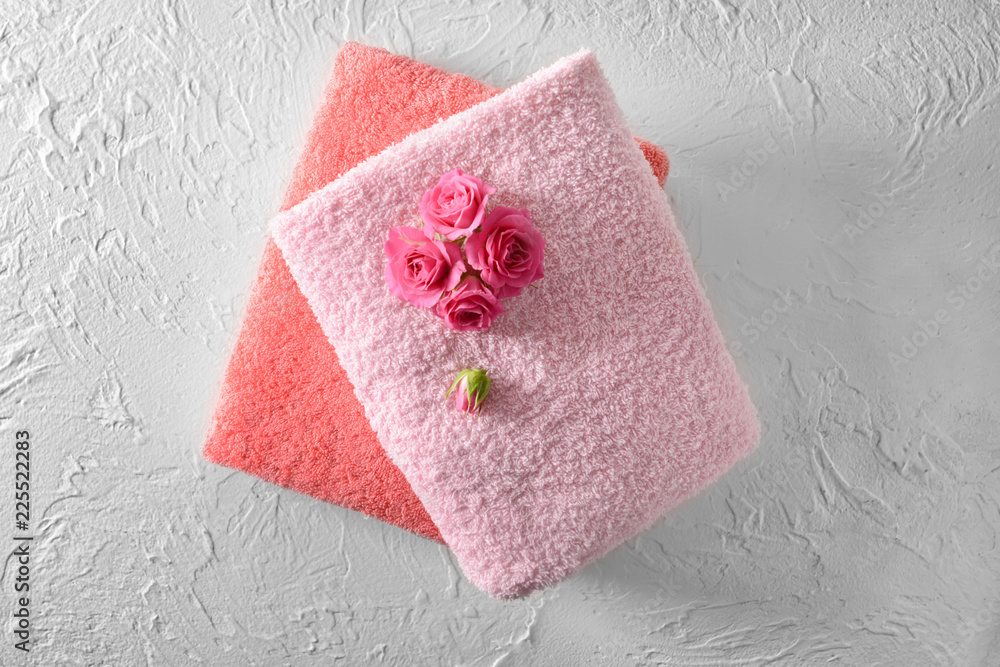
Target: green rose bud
{"type": "Point", "coordinates": [471, 387]}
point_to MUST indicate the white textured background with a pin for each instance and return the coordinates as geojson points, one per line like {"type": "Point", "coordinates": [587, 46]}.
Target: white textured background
{"type": "Point", "coordinates": [143, 148]}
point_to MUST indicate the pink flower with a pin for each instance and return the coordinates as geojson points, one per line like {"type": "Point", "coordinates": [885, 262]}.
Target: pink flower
{"type": "Point", "coordinates": [471, 386]}
{"type": "Point", "coordinates": [455, 206]}
{"type": "Point", "coordinates": [508, 251]}
{"type": "Point", "coordinates": [463, 401]}
{"type": "Point", "coordinates": [420, 270]}
{"type": "Point", "coordinates": [471, 307]}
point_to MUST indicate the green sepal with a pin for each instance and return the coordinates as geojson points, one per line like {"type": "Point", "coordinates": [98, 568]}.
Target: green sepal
{"type": "Point", "coordinates": [477, 386]}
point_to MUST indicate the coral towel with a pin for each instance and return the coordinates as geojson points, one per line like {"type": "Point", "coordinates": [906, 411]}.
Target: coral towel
{"type": "Point", "coordinates": [613, 396]}
{"type": "Point", "coordinates": [287, 412]}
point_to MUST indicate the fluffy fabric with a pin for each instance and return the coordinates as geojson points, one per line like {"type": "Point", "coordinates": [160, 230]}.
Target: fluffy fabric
{"type": "Point", "coordinates": [613, 396]}
{"type": "Point", "coordinates": [287, 412]}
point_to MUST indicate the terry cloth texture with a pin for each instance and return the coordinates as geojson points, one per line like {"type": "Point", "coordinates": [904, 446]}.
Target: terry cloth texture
{"type": "Point", "coordinates": [286, 411]}
{"type": "Point", "coordinates": [613, 396]}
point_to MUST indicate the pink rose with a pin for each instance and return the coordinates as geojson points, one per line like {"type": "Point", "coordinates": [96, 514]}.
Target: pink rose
{"type": "Point", "coordinates": [420, 270]}
{"type": "Point", "coordinates": [471, 307]}
{"type": "Point", "coordinates": [471, 387]}
{"type": "Point", "coordinates": [455, 206]}
{"type": "Point", "coordinates": [507, 251]}
{"type": "Point", "coordinates": [463, 401]}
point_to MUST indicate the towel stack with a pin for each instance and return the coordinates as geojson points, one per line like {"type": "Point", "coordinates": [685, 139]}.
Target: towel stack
{"type": "Point", "coordinates": [613, 396]}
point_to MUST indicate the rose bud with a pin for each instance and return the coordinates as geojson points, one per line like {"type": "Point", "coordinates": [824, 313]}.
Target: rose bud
{"type": "Point", "coordinates": [471, 387]}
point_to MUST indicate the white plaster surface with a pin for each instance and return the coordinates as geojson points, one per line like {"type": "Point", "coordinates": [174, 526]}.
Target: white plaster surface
{"type": "Point", "coordinates": [145, 145]}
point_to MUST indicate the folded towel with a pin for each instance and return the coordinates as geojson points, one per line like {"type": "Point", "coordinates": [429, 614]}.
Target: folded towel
{"type": "Point", "coordinates": [613, 395]}
{"type": "Point", "coordinates": [287, 412]}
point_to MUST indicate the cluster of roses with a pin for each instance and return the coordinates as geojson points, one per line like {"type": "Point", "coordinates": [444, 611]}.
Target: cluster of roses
{"type": "Point", "coordinates": [463, 260]}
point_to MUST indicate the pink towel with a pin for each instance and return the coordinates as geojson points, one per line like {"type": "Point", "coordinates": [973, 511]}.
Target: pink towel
{"type": "Point", "coordinates": [613, 395]}
{"type": "Point", "coordinates": [287, 412]}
